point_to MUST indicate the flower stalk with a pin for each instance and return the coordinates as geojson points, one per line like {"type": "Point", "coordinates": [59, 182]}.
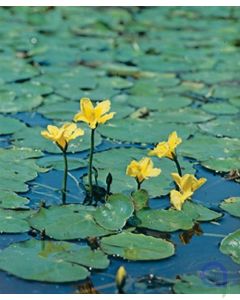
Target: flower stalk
{"type": "Point", "coordinates": [175, 159]}
{"type": "Point", "coordinates": [90, 166]}
{"type": "Point", "coordinates": [64, 186]}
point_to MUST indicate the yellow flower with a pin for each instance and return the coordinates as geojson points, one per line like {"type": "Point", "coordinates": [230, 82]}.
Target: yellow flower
{"type": "Point", "coordinates": [188, 183]}
{"type": "Point", "coordinates": [177, 198]}
{"type": "Point", "coordinates": [94, 115]}
{"type": "Point", "coordinates": [120, 277]}
{"type": "Point", "coordinates": [142, 169]}
{"type": "Point", "coordinates": [62, 135]}
{"type": "Point", "coordinates": [167, 149]}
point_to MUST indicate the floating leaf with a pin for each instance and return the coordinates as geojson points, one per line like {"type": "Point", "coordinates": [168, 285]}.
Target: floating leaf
{"type": "Point", "coordinates": [230, 245]}
{"type": "Point", "coordinates": [12, 200]}
{"type": "Point", "coordinates": [165, 220]}
{"type": "Point", "coordinates": [204, 213]}
{"type": "Point", "coordinates": [86, 257]}
{"type": "Point", "coordinates": [222, 164]}
{"type": "Point", "coordinates": [232, 206]}
{"type": "Point", "coordinates": [138, 130]}
{"type": "Point", "coordinates": [191, 284]}
{"type": "Point", "coordinates": [12, 221]}
{"type": "Point", "coordinates": [40, 261]}
{"type": "Point", "coordinates": [114, 214]}
{"type": "Point", "coordinates": [137, 246]}
{"type": "Point", "coordinates": [10, 125]}
{"type": "Point", "coordinates": [222, 126]}
{"type": "Point", "coordinates": [67, 222]}
{"type": "Point", "coordinates": [140, 199]}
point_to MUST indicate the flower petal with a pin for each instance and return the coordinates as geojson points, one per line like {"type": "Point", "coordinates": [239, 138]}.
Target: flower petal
{"type": "Point", "coordinates": [106, 117]}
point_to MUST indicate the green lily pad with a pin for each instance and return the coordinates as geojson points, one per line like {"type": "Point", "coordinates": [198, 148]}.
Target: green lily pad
{"type": "Point", "coordinates": [31, 137]}
{"type": "Point", "coordinates": [67, 222]}
{"type": "Point", "coordinates": [137, 246]}
{"type": "Point", "coordinates": [165, 220]}
{"type": "Point", "coordinates": [138, 130]}
{"type": "Point", "coordinates": [23, 103]}
{"type": "Point", "coordinates": [220, 148]}
{"type": "Point", "coordinates": [19, 167]}
{"type": "Point", "coordinates": [115, 213]}
{"type": "Point", "coordinates": [122, 183]}
{"type": "Point", "coordinates": [230, 245]}
{"type": "Point", "coordinates": [16, 69]}
{"type": "Point", "coordinates": [10, 125]}
{"type": "Point", "coordinates": [12, 200]}
{"type": "Point", "coordinates": [191, 284]}
{"type": "Point", "coordinates": [56, 162]}
{"type": "Point", "coordinates": [86, 257]}
{"type": "Point", "coordinates": [232, 206]}
{"type": "Point", "coordinates": [225, 164]}
{"type": "Point", "coordinates": [203, 213]}
{"type": "Point", "coordinates": [39, 261]}
{"type": "Point", "coordinates": [222, 126]}
{"type": "Point", "coordinates": [220, 108]}
{"type": "Point", "coordinates": [184, 115]}
{"type": "Point", "coordinates": [140, 199]}
{"type": "Point", "coordinates": [12, 221]}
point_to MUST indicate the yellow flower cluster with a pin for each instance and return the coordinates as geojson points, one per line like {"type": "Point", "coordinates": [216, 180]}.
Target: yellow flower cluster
{"type": "Point", "coordinates": [141, 170]}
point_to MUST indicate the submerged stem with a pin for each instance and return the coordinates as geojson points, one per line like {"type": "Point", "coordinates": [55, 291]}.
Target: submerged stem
{"type": "Point", "coordinates": [90, 166]}
{"type": "Point", "coordinates": [64, 187]}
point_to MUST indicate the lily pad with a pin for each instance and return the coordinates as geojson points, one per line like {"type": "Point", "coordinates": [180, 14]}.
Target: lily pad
{"type": "Point", "coordinates": [137, 246]}
{"type": "Point", "coordinates": [203, 213]}
{"type": "Point", "coordinates": [10, 125]}
{"type": "Point", "coordinates": [230, 245]}
{"type": "Point", "coordinates": [191, 284]}
{"type": "Point", "coordinates": [140, 199]}
{"type": "Point", "coordinates": [220, 108]}
{"type": "Point", "coordinates": [225, 164]}
{"type": "Point", "coordinates": [19, 168]}
{"type": "Point", "coordinates": [232, 206]}
{"type": "Point", "coordinates": [39, 260]}
{"type": "Point", "coordinates": [138, 130]}
{"type": "Point", "coordinates": [12, 200]}
{"type": "Point", "coordinates": [12, 221]}
{"type": "Point", "coordinates": [86, 257]}
{"type": "Point", "coordinates": [220, 148]}
{"type": "Point", "coordinates": [67, 222]}
{"type": "Point", "coordinates": [114, 214]}
{"type": "Point", "coordinates": [165, 220]}
{"type": "Point", "coordinates": [222, 126]}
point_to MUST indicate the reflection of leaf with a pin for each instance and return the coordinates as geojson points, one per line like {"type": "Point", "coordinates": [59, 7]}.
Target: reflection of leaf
{"type": "Point", "coordinates": [186, 236]}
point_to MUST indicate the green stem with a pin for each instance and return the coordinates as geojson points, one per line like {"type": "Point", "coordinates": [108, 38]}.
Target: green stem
{"type": "Point", "coordinates": [90, 166]}
{"type": "Point", "coordinates": [177, 164]}
{"type": "Point", "coordinates": [64, 188]}
{"type": "Point", "coordinates": [139, 184]}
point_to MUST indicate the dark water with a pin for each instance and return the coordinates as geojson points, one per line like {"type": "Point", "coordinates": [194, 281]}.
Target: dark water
{"type": "Point", "coordinates": [201, 254]}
